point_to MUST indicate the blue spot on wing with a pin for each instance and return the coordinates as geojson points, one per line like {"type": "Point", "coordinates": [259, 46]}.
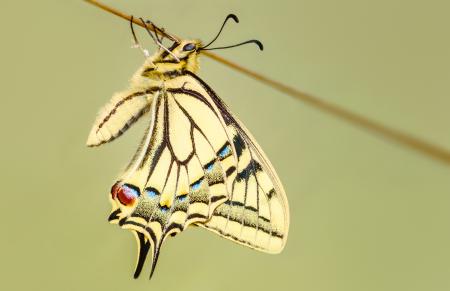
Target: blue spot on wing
{"type": "Point", "coordinates": [151, 192]}
{"type": "Point", "coordinates": [196, 185]}
{"type": "Point", "coordinates": [224, 151]}
{"type": "Point", "coordinates": [182, 198]}
{"type": "Point", "coordinates": [209, 167]}
{"type": "Point", "coordinates": [130, 191]}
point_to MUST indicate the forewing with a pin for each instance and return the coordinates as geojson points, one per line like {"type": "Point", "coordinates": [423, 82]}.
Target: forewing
{"type": "Point", "coordinates": [119, 114]}
{"type": "Point", "coordinates": [256, 213]}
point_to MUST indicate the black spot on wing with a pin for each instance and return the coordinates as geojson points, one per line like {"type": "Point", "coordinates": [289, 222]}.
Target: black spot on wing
{"type": "Point", "coordinates": [114, 215]}
{"type": "Point", "coordinates": [196, 215]}
{"type": "Point", "coordinates": [174, 225]}
{"type": "Point", "coordinates": [271, 193]}
{"type": "Point", "coordinates": [239, 145]}
{"type": "Point", "coordinates": [252, 168]}
{"type": "Point", "coordinates": [230, 170]}
{"type": "Point", "coordinates": [217, 198]}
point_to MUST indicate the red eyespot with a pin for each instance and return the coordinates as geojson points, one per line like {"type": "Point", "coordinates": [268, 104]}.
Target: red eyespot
{"type": "Point", "coordinates": [127, 195]}
{"type": "Point", "coordinates": [114, 190]}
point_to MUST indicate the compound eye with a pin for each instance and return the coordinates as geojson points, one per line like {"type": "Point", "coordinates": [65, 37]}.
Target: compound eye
{"type": "Point", "coordinates": [189, 47]}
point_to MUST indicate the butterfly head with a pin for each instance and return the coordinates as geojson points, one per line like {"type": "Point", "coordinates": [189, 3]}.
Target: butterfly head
{"type": "Point", "coordinates": [173, 61]}
{"type": "Point", "coordinates": [182, 56]}
{"type": "Point", "coordinates": [184, 49]}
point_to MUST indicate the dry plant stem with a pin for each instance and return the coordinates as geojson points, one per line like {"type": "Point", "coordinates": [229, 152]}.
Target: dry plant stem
{"type": "Point", "coordinates": [411, 142]}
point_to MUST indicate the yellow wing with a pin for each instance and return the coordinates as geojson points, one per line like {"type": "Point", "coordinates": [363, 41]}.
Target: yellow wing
{"type": "Point", "coordinates": [177, 176]}
{"type": "Point", "coordinates": [257, 212]}
{"type": "Point", "coordinates": [119, 114]}
{"type": "Point", "coordinates": [198, 165]}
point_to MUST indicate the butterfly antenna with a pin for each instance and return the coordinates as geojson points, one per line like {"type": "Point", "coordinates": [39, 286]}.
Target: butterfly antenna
{"type": "Point", "coordinates": [136, 42]}
{"type": "Point", "coordinates": [229, 16]}
{"type": "Point", "coordinates": [257, 42]}
{"type": "Point", "coordinates": [157, 41]}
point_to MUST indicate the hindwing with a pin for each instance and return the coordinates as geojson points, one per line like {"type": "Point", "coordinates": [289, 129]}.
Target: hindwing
{"type": "Point", "coordinates": [177, 177]}
{"type": "Point", "coordinates": [197, 164]}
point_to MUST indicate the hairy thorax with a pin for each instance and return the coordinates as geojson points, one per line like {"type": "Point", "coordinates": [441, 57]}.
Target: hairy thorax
{"type": "Point", "coordinates": [164, 66]}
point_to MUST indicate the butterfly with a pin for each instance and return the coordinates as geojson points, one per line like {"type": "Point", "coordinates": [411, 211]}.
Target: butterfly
{"type": "Point", "coordinates": [197, 164]}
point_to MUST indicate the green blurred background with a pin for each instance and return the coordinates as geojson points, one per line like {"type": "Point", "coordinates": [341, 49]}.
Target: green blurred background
{"type": "Point", "coordinates": [366, 214]}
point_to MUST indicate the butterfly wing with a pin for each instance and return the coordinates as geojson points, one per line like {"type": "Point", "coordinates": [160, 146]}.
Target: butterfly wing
{"type": "Point", "coordinates": [119, 114]}
{"type": "Point", "coordinates": [198, 165]}
{"type": "Point", "coordinates": [178, 175]}
{"type": "Point", "coordinates": [257, 212]}
{"type": "Point", "coordinates": [256, 215]}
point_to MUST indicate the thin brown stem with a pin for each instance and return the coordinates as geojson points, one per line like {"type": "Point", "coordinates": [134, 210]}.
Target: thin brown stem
{"type": "Point", "coordinates": [414, 143]}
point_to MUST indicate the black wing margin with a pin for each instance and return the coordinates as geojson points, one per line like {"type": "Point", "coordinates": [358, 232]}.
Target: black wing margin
{"type": "Point", "coordinates": [256, 213]}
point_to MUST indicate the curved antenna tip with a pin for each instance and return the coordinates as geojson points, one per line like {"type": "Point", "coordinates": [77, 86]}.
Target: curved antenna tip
{"type": "Point", "coordinates": [255, 41]}
{"type": "Point", "coordinates": [259, 44]}
{"type": "Point", "coordinates": [235, 18]}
